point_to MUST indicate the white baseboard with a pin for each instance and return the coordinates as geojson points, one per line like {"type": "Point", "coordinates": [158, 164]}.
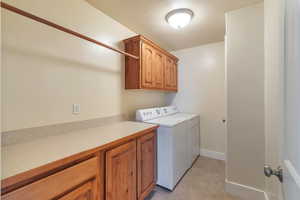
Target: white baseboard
{"type": "Point", "coordinates": [212, 154]}
{"type": "Point", "coordinates": [245, 192]}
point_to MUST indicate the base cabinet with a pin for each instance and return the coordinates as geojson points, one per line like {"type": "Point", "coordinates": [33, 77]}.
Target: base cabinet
{"type": "Point", "coordinates": [84, 192]}
{"type": "Point", "coordinates": [131, 169]}
{"type": "Point", "coordinates": [146, 147]}
{"type": "Point", "coordinates": [124, 171]}
{"type": "Point", "coordinates": [121, 172]}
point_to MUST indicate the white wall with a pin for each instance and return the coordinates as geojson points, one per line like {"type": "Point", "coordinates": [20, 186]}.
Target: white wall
{"type": "Point", "coordinates": [201, 90]}
{"type": "Point", "coordinates": [45, 71]}
{"type": "Point", "coordinates": [274, 32]}
{"type": "Point", "coordinates": [245, 96]}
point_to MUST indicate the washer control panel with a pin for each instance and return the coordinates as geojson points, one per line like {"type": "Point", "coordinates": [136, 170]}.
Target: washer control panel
{"type": "Point", "coordinates": [153, 113]}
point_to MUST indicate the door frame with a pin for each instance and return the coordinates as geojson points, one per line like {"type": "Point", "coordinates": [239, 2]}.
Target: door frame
{"type": "Point", "coordinates": [274, 91]}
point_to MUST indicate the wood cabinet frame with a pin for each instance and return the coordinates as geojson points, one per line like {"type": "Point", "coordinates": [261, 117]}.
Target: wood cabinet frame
{"type": "Point", "coordinates": [136, 71]}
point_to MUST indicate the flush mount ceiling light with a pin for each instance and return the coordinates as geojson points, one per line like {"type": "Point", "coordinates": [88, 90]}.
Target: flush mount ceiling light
{"type": "Point", "coordinates": [179, 18]}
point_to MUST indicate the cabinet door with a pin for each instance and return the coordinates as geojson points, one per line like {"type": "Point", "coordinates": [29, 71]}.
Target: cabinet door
{"type": "Point", "coordinates": [146, 164]}
{"type": "Point", "coordinates": [170, 74]}
{"type": "Point", "coordinates": [84, 192]}
{"type": "Point", "coordinates": [159, 65]}
{"type": "Point", "coordinates": [147, 66]}
{"type": "Point", "coordinates": [175, 76]}
{"type": "Point", "coordinates": [121, 172]}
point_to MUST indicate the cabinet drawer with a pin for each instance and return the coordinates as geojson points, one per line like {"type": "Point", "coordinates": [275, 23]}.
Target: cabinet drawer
{"type": "Point", "coordinates": [58, 183]}
{"type": "Point", "coordinates": [84, 192]}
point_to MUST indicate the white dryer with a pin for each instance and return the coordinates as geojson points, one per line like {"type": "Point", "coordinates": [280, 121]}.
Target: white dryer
{"type": "Point", "coordinates": [176, 144]}
{"type": "Point", "coordinates": [193, 126]}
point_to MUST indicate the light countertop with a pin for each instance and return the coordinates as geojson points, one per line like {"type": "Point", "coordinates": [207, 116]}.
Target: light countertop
{"type": "Point", "coordinates": [21, 157]}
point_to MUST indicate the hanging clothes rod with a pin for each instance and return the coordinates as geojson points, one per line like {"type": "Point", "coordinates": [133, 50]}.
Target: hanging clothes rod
{"type": "Point", "coordinates": [61, 28]}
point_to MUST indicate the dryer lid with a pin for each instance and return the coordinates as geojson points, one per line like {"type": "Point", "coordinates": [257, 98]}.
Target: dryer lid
{"type": "Point", "coordinates": [168, 121]}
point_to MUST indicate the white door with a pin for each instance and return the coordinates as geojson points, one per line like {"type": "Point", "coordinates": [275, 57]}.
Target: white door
{"type": "Point", "coordinates": [290, 77]}
{"type": "Point", "coordinates": [291, 144]}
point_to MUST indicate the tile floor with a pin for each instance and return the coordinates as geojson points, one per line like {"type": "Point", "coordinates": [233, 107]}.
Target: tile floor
{"type": "Point", "coordinates": [204, 181]}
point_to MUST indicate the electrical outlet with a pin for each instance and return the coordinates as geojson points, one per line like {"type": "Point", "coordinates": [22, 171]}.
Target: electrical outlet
{"type": "Point", "coordinates": [76, 109]}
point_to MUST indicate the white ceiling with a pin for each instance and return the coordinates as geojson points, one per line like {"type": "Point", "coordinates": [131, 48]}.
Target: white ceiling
{"type": "Point", "coordinates": [147, 17]}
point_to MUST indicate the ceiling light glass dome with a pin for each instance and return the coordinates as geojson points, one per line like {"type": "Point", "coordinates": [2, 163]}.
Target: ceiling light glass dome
{"type": "Point", "coordinates": [179, 18]}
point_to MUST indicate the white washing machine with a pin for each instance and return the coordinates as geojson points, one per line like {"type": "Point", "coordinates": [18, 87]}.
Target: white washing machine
{"type": "Point", "coordinates": [178, 142]}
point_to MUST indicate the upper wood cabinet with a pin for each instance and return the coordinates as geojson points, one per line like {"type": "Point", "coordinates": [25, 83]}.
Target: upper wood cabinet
{"type": "Point", "coordinates": [170, 75]}
{"type": "Point", "coordinates": [155, 69]}
{"type": "Point", "coordinates": [148, 63]}
{"type": "Point", "coordinates": [158, 68]}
